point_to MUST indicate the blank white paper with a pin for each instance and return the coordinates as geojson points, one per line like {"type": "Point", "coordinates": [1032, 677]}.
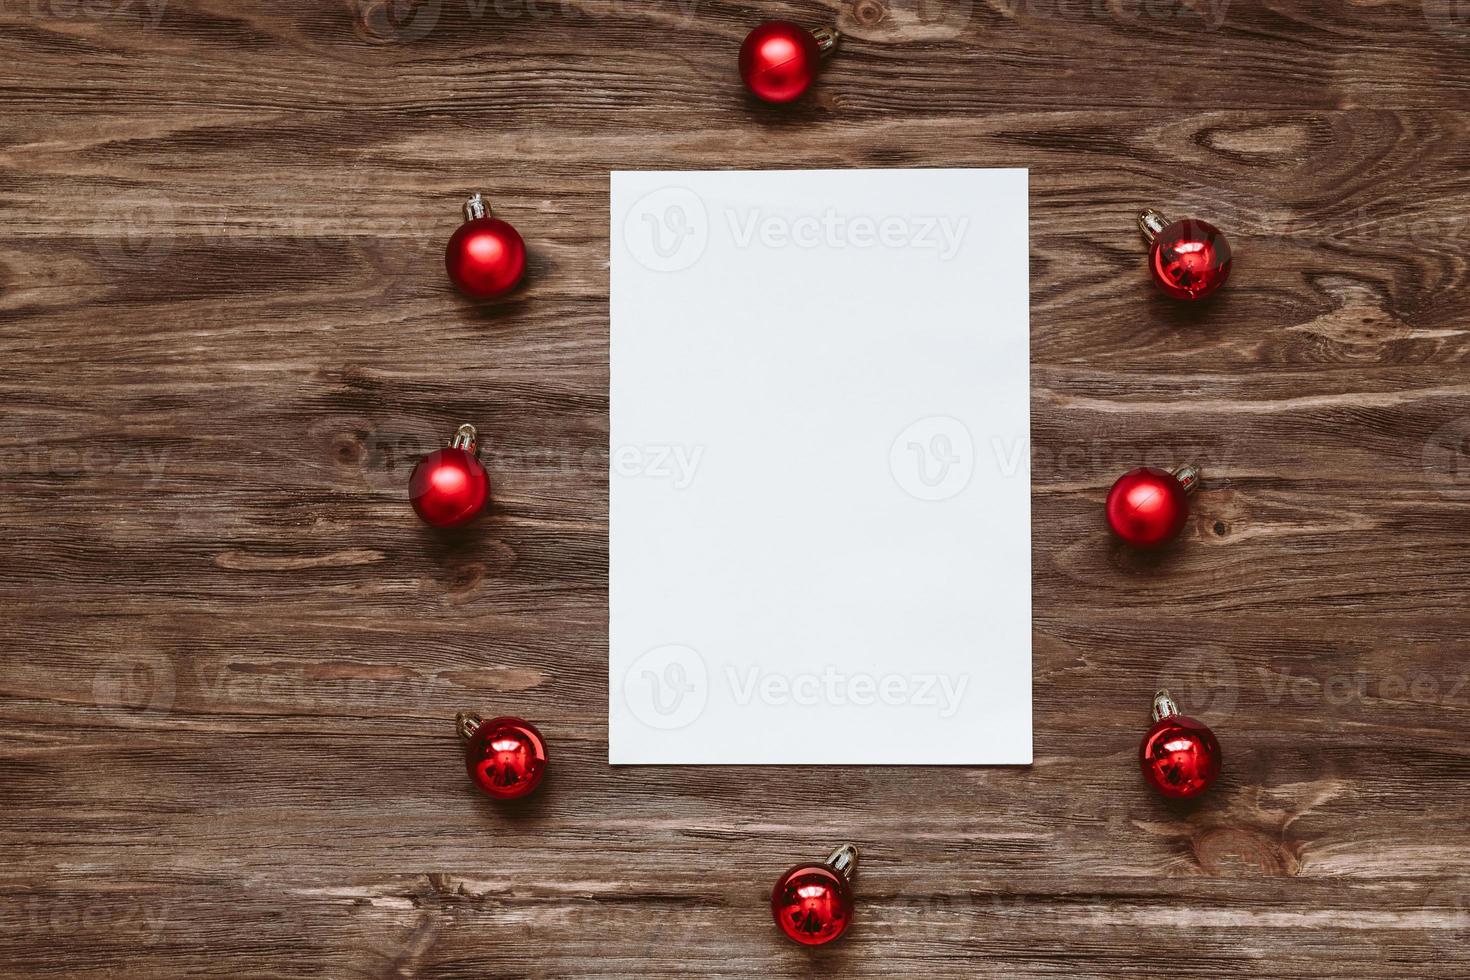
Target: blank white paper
{"type": "Point", "coordinates": [820, 535]}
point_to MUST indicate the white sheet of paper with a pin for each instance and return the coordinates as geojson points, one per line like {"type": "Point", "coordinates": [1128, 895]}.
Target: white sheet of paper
{"type": "Point", "coordinates": [820, 536]}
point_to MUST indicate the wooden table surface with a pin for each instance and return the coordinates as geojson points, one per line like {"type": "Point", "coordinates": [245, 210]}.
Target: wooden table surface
{"type": "Point", "coordinates": [232, 657]}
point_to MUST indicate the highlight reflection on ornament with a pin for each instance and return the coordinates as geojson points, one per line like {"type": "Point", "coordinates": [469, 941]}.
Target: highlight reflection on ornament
{"type": "Point", "coordinates": [505, 757]}
{"type": "Point", "coordinates": [779, 60]}
{"type": "Point", "coordinates": [1180, 757]}
{"type": "Point", "coordinates": [812, 903]}
{"type": "Point", "coordinates": [1188, 259]}
{"type": "Point", "coordinates": [1147, 506]}
{"type": "Point", "coordinates": [485, 257]}
{"type": "Point", "coordinates": [450, 487]}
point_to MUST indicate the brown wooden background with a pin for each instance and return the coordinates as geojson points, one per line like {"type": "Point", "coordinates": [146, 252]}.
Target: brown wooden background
{"type": "Point", "coordinates": [232, 657]}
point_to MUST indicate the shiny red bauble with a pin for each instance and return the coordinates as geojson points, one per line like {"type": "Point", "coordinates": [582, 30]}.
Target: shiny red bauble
{"type": "Point", "coordinates": [485, 256]}
{"type": "Point", "coordinates": [1180, 756]}
{"type": "Point", "coordinates": [1148, 506]}
{"type": "Point", "coordinates": [779, 60]}
{"type": "Point", "coordinates": [505, 757]}
{"type": "Point", "coordinates": [812, 903]}
{"type": "Point", "coordinates": [1188, 259]}
{"type": "Point", "coordinates": [450, 487]}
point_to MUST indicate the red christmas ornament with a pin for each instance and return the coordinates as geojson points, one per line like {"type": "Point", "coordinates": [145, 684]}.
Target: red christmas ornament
{"type": "Point", "coordinates": [1148, 506]}
{"type": "Point", "coordinates": [812, 903]}
{"type": "Point", "coordinates": [779, 59]}
{"type": "Point", "coordinates": [506, 757]}
{"type": "Point", "coordinates": [485, 256]}
{"type": "Point", "coordinates": [1188, 259]}
{"type": "Point", "coordinates": [450, 487]}
{"type": "Point", "coordinates": [1180, 757]}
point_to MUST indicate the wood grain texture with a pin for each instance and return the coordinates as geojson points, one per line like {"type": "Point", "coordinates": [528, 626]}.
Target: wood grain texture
{"type": "Point", "coordinates": [231, 658]}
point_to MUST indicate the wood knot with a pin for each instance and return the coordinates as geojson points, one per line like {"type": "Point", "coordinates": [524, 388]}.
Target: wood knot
{"type": "Point", "coordinates": [1284, 139]}
{"type": "Point", "coordinates": [465, 568]}
{"type": "Point", "coordinates": [1218, 849]}
{"type": "Point", "coordinates": [869, 13]}
{"type": "Point", "coordinates": [466, 576]}
{"type": "Point", "coordinates": [349, 449]}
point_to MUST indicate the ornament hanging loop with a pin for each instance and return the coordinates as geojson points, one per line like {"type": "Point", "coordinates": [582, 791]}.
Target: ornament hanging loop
{"type": "Point", "coordinates": [1188, 476]}
{"type": "Point", "coordinates": [1164, 706]}
{"type": "Point", "coordinates": [467, 723]}
{"type": "Point", "coordinates": [844, 861]}
{"type": "Point", "coordinates": [476, 207]}
{"type": "Point", "coordinates": [464, 438]}
{"type": "Point", "coordinates": [827, 38]}
{"type": "Point", "coordinates": [1151, 222]}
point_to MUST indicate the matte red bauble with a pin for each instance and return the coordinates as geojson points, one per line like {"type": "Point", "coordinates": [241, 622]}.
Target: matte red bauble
{"type": "Point", "coordinates": [812, 903]}
{"type": "Point", "coordinates": [450, 487]}
{"type": "Point", "coordinates": [1188, 259]}
{"type": "Point", "coordinates": [506, 757]}
{"type": "Point", "coordinates": [1148, 506]}
{"type": "Point", "coordinates": [779, 60]}
{"type": "Point", "coordinates": [1180, 757]}
{"type": "Point", "coordinates": [485, 256]}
